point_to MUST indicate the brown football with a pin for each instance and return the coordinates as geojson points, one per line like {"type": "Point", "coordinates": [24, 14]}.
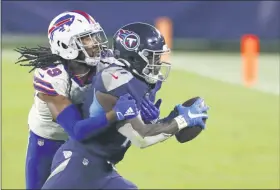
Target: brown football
{"type": "Point", "coordinates": [188, 133]}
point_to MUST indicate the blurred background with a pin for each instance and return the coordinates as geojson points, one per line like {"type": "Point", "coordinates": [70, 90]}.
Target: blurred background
{"type": "Point", "coordinates": [239, 148]}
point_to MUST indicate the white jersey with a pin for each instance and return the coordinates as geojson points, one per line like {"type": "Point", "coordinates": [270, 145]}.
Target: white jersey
{"type": "Point", "coordinates": [53, 81]}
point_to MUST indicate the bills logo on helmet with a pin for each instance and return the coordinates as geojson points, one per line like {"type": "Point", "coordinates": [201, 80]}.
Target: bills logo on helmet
{"type": "Point", "coordinates": [129, 39]}
{"type": "Point", "coordinates": [61, 24]}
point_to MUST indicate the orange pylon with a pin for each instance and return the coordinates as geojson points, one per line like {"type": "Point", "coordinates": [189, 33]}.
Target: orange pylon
{"type": "Point", "coordinates": [250, 52]}
{"type": "Point", "coordinates": [164, 25]}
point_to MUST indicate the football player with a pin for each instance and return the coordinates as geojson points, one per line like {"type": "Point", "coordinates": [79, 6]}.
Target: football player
{"type": "Point", "coordinates": [89, 164]}
{"type": "Point", "coordinates": [63, 73]}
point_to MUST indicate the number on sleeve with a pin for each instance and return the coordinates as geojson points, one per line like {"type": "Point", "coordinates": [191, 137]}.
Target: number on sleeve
{"type": "Point", "coordinates": [54, 72]}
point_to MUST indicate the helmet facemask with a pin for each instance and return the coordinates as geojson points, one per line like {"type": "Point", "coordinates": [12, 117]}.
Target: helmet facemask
{"type": "Point", "coordinates": [155, 69]}
{"type": "Point", "coordinates": [90, 43]}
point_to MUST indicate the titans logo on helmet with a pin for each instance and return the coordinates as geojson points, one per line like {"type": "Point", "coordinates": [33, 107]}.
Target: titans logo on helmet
{"type": "Point", "coordinates": [60, 24]}
{"type": "Point", "coordinates": [129, 39]}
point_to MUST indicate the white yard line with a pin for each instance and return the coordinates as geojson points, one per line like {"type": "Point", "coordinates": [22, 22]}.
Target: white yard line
{"type": "Point", "coordinates": [227, 68]}
{"type": "Point", "coordinates": [218, 66]}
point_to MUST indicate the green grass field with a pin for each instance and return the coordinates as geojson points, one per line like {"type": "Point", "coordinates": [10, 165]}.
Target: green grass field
{"type": "Point", "coordinates": [239, 148]}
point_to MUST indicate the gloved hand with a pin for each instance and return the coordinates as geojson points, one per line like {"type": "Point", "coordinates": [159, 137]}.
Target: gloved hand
{"type": "Point", "coordinates": [126, 108]}
{"type": "Point", "coordinates": [149, 111]}
{"type": "Point", "coordinates": [194, 114]}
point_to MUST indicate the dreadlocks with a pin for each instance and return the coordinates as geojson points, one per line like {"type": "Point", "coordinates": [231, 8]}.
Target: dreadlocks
{"type": "Point", "coordinates": [40, 57]}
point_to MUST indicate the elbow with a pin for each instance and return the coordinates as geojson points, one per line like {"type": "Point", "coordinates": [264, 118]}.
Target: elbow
{"type": "Point", "coordinates": [144, 146]}
{"type": "Point", "coordinates": [144, 142]}
{"type": "Point", "coordinates": [70, 130]}
{"type": "Point", "coordinates": [141, 146]}
{"type": "Point", "coordinates": [141, 143]}
{"type": "Point", "coordinates": [77, 136]}
{"type": "Point", "coordinates": [81, 135]}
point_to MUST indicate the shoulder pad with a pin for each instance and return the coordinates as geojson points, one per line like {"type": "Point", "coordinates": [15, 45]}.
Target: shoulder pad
{"type": "Point", "coordinates": [117, 81]}
{"type": "Point", "coordinates": [114, 77]}
{"type": "Point", "coordinates": [100, 66]}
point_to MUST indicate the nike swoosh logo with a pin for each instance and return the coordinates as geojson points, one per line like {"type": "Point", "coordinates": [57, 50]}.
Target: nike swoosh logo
{"type": "Point", "coordinates": [41, 75]}
{"type": "Point", "coordinates": [114, 76]}
{"type": "Point", "coordinates": [191, 115]}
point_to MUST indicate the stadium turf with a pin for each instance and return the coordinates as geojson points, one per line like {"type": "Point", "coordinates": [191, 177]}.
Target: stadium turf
{"type": "Point", "coordinates": [239, 148]}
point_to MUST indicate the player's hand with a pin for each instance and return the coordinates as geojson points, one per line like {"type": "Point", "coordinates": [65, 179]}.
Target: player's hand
{"type": "Point", "coordinates": [150, 112]}
{"type": "Point", "coordinates": [126, 108]}
{"type": "Point", "coordinates": [194, 114]}
{"type": "Point", "coordinates": [153, 92]}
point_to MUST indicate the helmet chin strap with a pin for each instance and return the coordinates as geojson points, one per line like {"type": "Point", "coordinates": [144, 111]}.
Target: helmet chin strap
{"type": "Point", "coordinates": [150, 79]}
{"type": "Point", "coordinates": [89, 61]}
{"type": "Point", "coordinates": [92, 61]}
{"type": "Point", "coordinates": [147, 78]}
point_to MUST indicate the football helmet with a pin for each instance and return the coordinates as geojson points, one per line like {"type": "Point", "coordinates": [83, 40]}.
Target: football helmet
{"type": "Point", "coordinates": [75, 35]}
{"type": "Point", "coordinates": [140, 47]}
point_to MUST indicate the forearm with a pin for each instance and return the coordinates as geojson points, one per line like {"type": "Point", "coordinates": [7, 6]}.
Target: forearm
{"type": "Point", "coordinates": [143, 135]}
{"type": "Point", "coordinates": [78, 128]}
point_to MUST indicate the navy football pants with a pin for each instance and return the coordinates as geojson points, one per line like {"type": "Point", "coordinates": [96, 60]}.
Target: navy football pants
{"type": "Point", "coordinates": [40, 153]}
{"type": "Point", "coordinates": [72, 170]}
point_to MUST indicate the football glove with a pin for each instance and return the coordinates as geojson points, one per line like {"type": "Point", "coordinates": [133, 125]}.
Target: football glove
{"type": "Point", "coordinates": [195, 114]}
{"type": "Point", "coordinates": [126, 108]}
{"type": "Point", "coordinates": [150, 112]}
{"type": "Point", "coordinates": [153, 92]}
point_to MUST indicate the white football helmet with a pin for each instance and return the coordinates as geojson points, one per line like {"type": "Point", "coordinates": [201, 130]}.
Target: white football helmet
{"type": "Point", "coordinates": [76, 35]}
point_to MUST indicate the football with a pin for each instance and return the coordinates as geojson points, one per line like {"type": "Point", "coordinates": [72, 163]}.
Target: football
{"type": "Point", "coordinates": [190, 133]}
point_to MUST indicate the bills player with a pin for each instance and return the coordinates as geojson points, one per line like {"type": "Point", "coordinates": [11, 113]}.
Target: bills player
{"type": "Point", "coordinates": [90, 164]}
{"type": "Point", "coordinates": [63, 73]}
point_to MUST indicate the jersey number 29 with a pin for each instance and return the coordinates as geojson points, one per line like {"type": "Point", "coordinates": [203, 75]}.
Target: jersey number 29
{"type": "Point", "coordinates": [54, 72]}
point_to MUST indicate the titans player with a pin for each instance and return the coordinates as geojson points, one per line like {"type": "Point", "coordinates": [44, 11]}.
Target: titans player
{"type": "Point", "coordinates": [89, 164]}
{"type": "Point", "coordinates": [62, 74]}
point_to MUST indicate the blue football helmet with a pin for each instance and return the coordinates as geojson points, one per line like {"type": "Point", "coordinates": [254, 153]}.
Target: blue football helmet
{"type": "Point", "coordinates": [140, 46]}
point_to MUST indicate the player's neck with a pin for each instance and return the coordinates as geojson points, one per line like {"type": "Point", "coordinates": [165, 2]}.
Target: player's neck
{"type": "Point", "coordinates": [78, 68]}
{"type": "Point", "coordinates": [82, 71]}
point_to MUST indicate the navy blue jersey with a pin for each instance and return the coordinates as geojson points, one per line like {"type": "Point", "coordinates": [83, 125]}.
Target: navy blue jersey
{"type": "Point", "coordinates": [116, 81]}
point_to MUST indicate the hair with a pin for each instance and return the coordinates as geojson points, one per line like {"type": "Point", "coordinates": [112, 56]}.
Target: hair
{"type": "Point", "coordinates": [40, 57]}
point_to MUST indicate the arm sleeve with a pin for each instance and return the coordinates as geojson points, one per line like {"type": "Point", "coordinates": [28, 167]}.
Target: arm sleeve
{"type": "Point", "coordinates": [77, 128]}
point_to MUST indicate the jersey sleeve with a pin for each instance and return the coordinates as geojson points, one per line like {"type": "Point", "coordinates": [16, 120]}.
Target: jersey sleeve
{"type": "Point", "coordinates": [117, 81]}
{"type": "Point", "coordinates": [51, 81]}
